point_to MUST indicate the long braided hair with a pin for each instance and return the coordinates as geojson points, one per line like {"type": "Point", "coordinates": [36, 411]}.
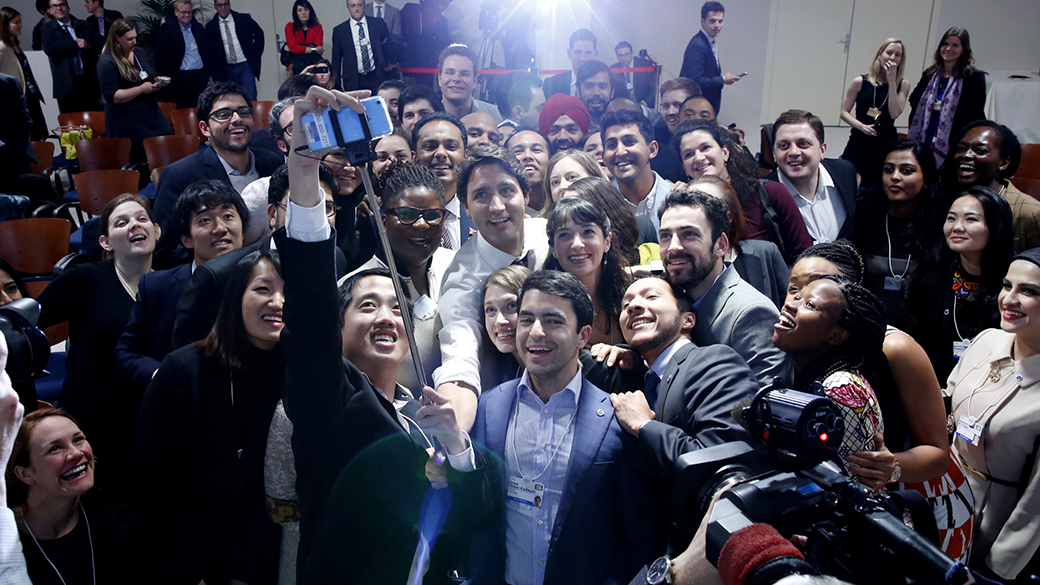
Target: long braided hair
{"type": "Point", "coordinates": [841, 253]}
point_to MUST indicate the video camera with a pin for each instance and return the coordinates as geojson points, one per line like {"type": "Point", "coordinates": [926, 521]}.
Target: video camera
{"type": "Point", "coordinates": [851, 533]}
{"type": "Point", "coordinates": [27, 347]}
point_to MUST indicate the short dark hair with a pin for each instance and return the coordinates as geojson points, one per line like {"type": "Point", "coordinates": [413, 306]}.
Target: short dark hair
{"type": "Point", "coordinates": [402, 175]}
{"type": "Point", "coordinates": [624, 118]}
{"type": "Point", "coordinates": [279, 185]}
{"type": "Point", "coordinates": [582, 34]}
{"type": "Point", "coordinates": [296, 85]}
{"type": "Point", "coordinates": [460, 50]}
{"type": "Point", "coordinates": [564, 285]}
{"type": "Point", "coordinates": [523, 128]}
{"type": "Point", "coordinates": [799, 117]}
{"type": "Point", "coordinates": [517, 91]}
{"type": "Point", "coordinates": [216, 91]}
{"type": "Point", "coordinates": [843, 254]}
{"type": "Point", "coordinates": [714, 208]}
{"type": "Point", "coordinates": [592, 68]}
{"type": "Point", "coordinates": [434, 117]}
{"type": "Point", "coordinates": [710, 7]}
{"type": "Point", "coordinates": [623, 45]}
{"type": "Point", "coordinates": [414, 93]}
{"type": "Point", "coordinates": [211, 194]}
{"type": "Point", "coordinates": [392, 84]}
{"type": "Point", "coordinates": [228, 339]}
{"type": "Point", "coordinates": [1007, 143]}
{"type": "Point", "coordinates": [346, 290]}
{"type": "Point", "coordinates": [490, 155]}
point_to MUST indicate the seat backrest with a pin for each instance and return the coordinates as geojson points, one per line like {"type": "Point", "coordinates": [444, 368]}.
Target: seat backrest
{"type": "Point", "coordinates": [167, 109]}
{"type": "Point", "coordinates": [1030, 166]}
{"type": "Point", "coordinates": [44, 154]}
{"type": "Point", "coordinates": [98, 154]}
{"type": "Point", "coordinates": [261, 114]}
{"type": "Point", "coordinates": [163, 151]}
{"type": "Point", "coordinates": [97, 188]}
{"type": "Point", "coordinates": [185, 122]}
{"type": "Point", "coordinates": [94, 119]}
{"type": "Point", "coordinates": [1028, 186]}
{"type": "Point", "coordinates": [34, 246]}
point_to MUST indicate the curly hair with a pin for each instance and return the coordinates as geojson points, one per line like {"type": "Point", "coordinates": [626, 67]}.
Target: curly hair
{"type": "Point", "coordinates": [843, 254]}
{"type": "Point", "coordinates": [402, 175]}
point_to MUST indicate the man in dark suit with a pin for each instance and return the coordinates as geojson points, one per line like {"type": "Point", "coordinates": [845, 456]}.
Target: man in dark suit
{"type": "Point", "coordinates": [701, 60]}
{"type": "Point", "coordinates": [390, 15]}
{"type": "Point", "coordinates": [182, 53]}
{"type": "Point", "coordinates": [100, 18]}
{"type": "Point", "coordinates": [582, 49]}
{"type": "Point", "coordinates": [425, 31]}
{"type": "Point", "coordinates": [824, 189]}
{"type": "Point", "coordinates": [237, 42]}
{"type": "Point", "coordinates": [565, 477]}
{"type": "Point", "coordinates": [72, 48]}
{"type": "Point", "coordinates": [210, 218]}
{"type": "Point", "coordinates": [729, 311]}
{"type": "Point", "coordinates": [226, 117]}
{"type": "Point", "coordinates": [357, 49]}
{"type": "Point", "coordinates": [640, 85]}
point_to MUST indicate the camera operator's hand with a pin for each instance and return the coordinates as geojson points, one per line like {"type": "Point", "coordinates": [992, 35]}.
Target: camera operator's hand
{"type": "Point", "coordinates": [632, 411]}
{"type": "Point", "coordinates": [11, 412]}
{"type": "Point", "coordinates": [692, 567]}
{"type": "Point", "coordinates": [873, 468]}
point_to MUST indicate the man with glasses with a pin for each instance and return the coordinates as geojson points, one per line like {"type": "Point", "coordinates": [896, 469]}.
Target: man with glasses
{"type": "Point", "coordinates": [237, 42]}
{"type": "Point", "coordinates": [182, 54]}
{"type": "Point", "coordinates": [226, 118]}
{"type": "Point", "coordinates": [73, 49]}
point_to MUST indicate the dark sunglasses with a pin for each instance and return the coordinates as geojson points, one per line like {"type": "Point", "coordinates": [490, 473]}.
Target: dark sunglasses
{"type": "Point", "coordinates": [410, 215]}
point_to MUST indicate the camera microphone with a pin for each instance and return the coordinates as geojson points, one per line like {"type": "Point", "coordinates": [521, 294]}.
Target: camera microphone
{"type": "Point", "coordinates": [738, 412]}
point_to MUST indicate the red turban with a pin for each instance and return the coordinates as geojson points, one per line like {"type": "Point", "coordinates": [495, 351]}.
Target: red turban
{"type": "Point", "coordinates": [563, 105]}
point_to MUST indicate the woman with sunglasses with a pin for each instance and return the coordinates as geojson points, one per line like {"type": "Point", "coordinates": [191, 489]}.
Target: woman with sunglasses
{"type": "Point", "coordinates": [413, 214]}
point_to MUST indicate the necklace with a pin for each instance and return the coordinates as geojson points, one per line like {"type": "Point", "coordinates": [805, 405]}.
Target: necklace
{"type": "Point", "coordinates": [888, 237]}
{"type": "Point", "coordinates": [132, 291]}
{"type": "Point", "coordinates": [90, 539]}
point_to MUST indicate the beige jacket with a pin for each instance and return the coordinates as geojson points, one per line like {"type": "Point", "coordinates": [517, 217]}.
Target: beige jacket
{"type": "Point", "coordinates": [9, 64]}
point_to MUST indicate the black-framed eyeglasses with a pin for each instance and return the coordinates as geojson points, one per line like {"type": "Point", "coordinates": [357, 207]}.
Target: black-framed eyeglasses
{"type": "Point", "coordinates": [288, 130]}
{"type": "Point", "coordinates": [221, 4]}
{"type": "Point", "coordinates": [331, 208]}
{"type": "Point", "coordinates": [225, 114]}
{"type": "Point", "coordinates": [409, 215]}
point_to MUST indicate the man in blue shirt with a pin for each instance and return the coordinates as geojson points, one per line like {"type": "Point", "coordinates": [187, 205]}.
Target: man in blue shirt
{"type": "Point", "coordinates": [182, 54]}
{"type": "Point", "coordinates": [570, 501]}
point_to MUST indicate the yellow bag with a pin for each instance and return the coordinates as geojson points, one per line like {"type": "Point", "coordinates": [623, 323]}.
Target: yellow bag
{"type": "Point", "coordinates": [70, 135]}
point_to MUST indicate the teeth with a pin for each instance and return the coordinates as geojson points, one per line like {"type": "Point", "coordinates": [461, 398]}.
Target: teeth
{"type": "Point", "coordinates": [579, 258]}
{"type": "Point", "coordinates": [538, 350]}
{"type": "Point", "coordinates": [138, 238]}
{"type": "Point", "coordinates": [273, 318]}
{"type": "Point", "coordinates": [639, 322]}
{"type": "Point", "coordinates": [74, 472]}
{"type": "Point", "coordinates": [383, 339]}
{"type": "Point", "coordinates": [498, 221]}
{"type": "Point", "coordinates": [506, 335]}
{"type": "Point", "coordinates": [786, 321]}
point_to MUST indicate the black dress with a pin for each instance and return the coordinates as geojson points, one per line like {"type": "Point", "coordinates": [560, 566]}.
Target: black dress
{"type": "Point", "coordinates": [96, 306]}
{"type": "Point", "coordinates": [138, 118]}
{"type": "Point", "coordinates": [84, 556]}
{"type": "Point", "coordinates": [33, 98]}
{"type": "Point", "coordinates": [894, 256]}
{"type": "Point", "coordinates": [865, 151]}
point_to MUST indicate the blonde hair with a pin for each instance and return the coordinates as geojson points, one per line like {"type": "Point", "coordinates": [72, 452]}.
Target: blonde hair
{"type": "Point", "coordinates": [127, 69]}
{"type": "Point", "coordinates": [586, 162]}
{"type": "Point", "coordinates": [874, 75]}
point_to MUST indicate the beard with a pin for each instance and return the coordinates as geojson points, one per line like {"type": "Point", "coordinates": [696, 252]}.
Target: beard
{"type": "Point", "coordinates": [699, 269]}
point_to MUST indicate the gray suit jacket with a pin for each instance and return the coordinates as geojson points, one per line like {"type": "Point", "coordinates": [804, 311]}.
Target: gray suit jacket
{"type": "Point", "coordinates": [695, 398]}
{"type": "Point", "coordinates": [391, 16]}
{"type": "Point", "coordinates": [735, 314]}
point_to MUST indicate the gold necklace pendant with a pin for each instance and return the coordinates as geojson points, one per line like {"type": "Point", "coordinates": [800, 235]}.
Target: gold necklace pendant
{"type": "Point", "coordinates": [994, 373]}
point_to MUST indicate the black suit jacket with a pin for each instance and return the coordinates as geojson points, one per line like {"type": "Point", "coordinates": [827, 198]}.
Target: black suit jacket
{"type": "Point", "coordinates": [110, 16]}
{"type": "Point", "coordinates": [250, 36]}
{"type": "Point", "coordinates": [642, 83]}
{"type": "Point", "coordinates": [843, 173]}
{"type": "Point", "coordinates": [148, 336]}
{"type": "Point", "coordinates": [169, 47]}
{"type": "Point", "coordinates": [62, 50]}
{"type": "Point", "coordinates": [15, 127]}
{"type": "Point", "coordinates": [699, 64]}
{"type": "Point", "coordinates": [344, 57]}
{"type": "Point", "coordinates": [200, 166]}
{"type": "Point", "coordinates": [559, 83]}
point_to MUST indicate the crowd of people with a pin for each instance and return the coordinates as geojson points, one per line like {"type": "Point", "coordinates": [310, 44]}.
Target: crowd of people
{"type": "Point", "coordinates": [589, 284]}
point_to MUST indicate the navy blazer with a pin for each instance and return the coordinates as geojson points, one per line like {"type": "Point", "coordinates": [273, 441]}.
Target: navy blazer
{"type": "Point", "coordinates": [605, 526]}
{"type": "Point", "coordinates": [699, 64]}
{"type": "Point", "coordinates": [559, 83]}
{"type": "Point", "coordinates": [250, 36]}
{"type": "Point", "coordinates": [62, 50]}
{"type": "Point", "coordinates": [344, 56]}
{"type": "Point", "coordinates": [148, 336]}
{"type": "Point", "coordinates": [843, 173]}
{"type": "Point", "coordinates": [110, 16]}
{"type": "Point", "coordinates": [200, 166]}
{"type": "Point", "coordinates": [169, 47]}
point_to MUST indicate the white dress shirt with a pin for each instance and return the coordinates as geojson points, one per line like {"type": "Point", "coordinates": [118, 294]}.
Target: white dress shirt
{"type": "Point", "coordinates": [825, 213]}
{"type": "Point", "coordinates": [357, 44]}
{"type": "Point", "coordinates": [233, 41]}
{"type": "Point", "coordinates": [238, 180]}
{"type": "Point", "coordinates": [654, 199]}
{"type": "Point", "coordinates": [453, 222]}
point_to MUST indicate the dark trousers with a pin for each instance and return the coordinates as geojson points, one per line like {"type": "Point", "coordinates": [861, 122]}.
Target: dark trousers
{"type": "Point", "coordinates": [186, 87]}
{"type": "Point", "coordinates": [85, 97]}
{"type": "Point", "coordinates": [370, 81]}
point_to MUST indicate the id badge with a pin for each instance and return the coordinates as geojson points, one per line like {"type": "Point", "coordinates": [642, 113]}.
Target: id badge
{"type": "Point", "coordinates": [144, 75]}
{"type": "Point", "coordinates": [894, 283]}
{"type": "Point", "coordinates": [193, 47]}
{"type": "Point", "coordinates": [959, 347]}
{"type": "Point", "coordinates": [365, 42]}
{"type": "Point", "coordinates": [874, 113]}
{"type": "Point", "coordinates": [525, 491]}
{"type": "Point", "coordinates": [969, 430]}
{"type": "Point", "coordinates": [937, 105]}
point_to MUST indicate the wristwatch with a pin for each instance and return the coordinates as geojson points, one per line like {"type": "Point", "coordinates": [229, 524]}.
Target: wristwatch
{"type": "Point", "coordinates": [896, 473]}
{"type": "Point", "coordinates": [660, 571]}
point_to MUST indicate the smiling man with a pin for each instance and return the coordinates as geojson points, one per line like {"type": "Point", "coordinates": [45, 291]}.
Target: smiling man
{"type": "Point", "coordinates": [673, 93]}
{"type": "Point", "coordinates": [596, 89]}
{"type": "Point", "coordinates": [563, 121]}
{"type": "Point", "coordinates": [628, 148]}
{"type": "Point", "coordinates": [481, 130]}
{"type": "Point", "coordinates": [581, 48]}
{"type": "Point", "coordinates": [226, 118]}
{"type": "Point", "coordinates": [495, 189]}
{"type": "Point", "coordinates": [457, 78]}
{"type": "Point", "coordinates": [440, 144]}
{"type": "Point", "coordinates": [531, 149]}
{"type": "Point", "coordinates": [728, 310]}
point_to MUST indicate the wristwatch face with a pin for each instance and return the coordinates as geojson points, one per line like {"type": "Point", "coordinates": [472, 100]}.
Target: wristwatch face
{"type": "Point", "coordinates": [658, 571]}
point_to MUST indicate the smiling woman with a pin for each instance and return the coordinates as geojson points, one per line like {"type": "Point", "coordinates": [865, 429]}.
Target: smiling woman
{"type": "Point", "coordinates": [212, 403]}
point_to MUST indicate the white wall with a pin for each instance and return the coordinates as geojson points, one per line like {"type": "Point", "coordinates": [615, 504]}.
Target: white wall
{"type": "Point", "coordinates": [1002, 32]}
